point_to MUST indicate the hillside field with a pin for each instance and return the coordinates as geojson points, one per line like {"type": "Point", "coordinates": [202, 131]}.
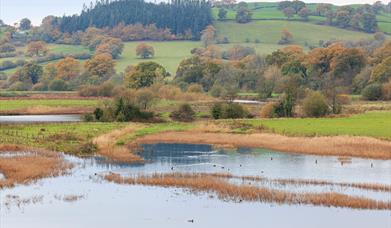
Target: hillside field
{"type": "Point", "coordinates": [269, 32]}
{"type": "Point", "coordinates": [269, 11]}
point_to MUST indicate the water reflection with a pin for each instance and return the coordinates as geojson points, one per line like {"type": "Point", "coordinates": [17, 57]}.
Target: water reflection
{"type": "Point", "coordinates": [108, 204]}
{"type": "Point", "coordinates": [39, 118]}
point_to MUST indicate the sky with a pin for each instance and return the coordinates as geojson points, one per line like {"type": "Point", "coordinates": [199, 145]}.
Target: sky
{"type": "Point", "coordinates": [12, 11]}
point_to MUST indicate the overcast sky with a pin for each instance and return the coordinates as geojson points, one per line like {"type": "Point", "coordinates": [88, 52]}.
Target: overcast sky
{"type": "Point", "coordinates": [12, 11]}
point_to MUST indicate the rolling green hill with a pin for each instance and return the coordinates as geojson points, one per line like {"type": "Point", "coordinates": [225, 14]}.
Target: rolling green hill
{"type": "Point", "coordinates": [267, 24]}
{"type": "Point", "coordinates": [269, 32]}
{"type": "Point", "coordinates": [269, 11]}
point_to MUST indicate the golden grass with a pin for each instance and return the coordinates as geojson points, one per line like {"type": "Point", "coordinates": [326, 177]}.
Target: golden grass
{"type": "Point", "coordinates": [107, 145]}
{"type": "Point", "coordinates": [364, 186]}
{"type": "Point", "coordinates": [26, 168]}
{"type": "Point", "coordinates": [348, 146]}
{"type": "Point", "coordinates": [226, 190]}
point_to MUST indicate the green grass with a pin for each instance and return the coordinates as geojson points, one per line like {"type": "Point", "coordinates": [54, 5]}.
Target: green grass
{"type": "Point", "coordinates": [168, 54]}
{"type": "Point", "coordinates": [269, 32]}
{"type": "Point", "coordinates": [372, 124]}
{"type": "Point", "coordinates": [269, 11]}
{"type": "Point", "coordinates": [154, 129]}
{"type": "Point", "coordinates": [53, 136]}
{"type": "Point", "coordinates": [7, 105]}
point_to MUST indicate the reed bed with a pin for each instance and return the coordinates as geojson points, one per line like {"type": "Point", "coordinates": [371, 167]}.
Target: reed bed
{"type": "Point", "coordinates": [30, 167]}
{"type": "Point", "coordinates": [347, 146]}
{"type": "Point", "coordinates": [229, 191]}
{"type": "Point", "coordinates": [363, 186]}
{"type": "Point", "coordinates": [123, 153]}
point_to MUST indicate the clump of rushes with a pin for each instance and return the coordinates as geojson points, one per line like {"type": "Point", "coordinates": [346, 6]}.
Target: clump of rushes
{"type": "Point", "coordinates": [227, 190]}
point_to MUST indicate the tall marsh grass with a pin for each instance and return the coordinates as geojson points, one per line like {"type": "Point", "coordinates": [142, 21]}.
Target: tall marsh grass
{"type": "Point", "coordinates": [226, 190]}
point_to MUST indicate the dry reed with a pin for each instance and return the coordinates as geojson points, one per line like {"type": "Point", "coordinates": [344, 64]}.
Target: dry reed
{"type": "Point", "coordinates": [226, 190]}
{"type": "Point", "coordinates": [363, 186]}
{"type": "Point", "coordinates": [24, 169]}
{"type": "Point", "coordinates": [364, 147]}
{"type": "Point", "coordinates": [107, 145]}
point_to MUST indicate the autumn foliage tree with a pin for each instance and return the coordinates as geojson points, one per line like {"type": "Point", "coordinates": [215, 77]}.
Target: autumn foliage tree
{"type": "Point", "coordinates": [334, 67]}
{"type": "Point", "coordinates": [144, 74]}
{"type": "Point", "coordinates": [68, 69]}
{"type": "Point", "coordinates": [100, 65]}
{"type": "Point", "coordinates": [112, 46]}
{"type": "Point", "coordinates": [208, 35]}
{"type": "Point", "coordinates": [286, 37]}
{"type": "Point", "coordinates": [145, 51]}
{"type": "Point", "coordinates": [37, 48]}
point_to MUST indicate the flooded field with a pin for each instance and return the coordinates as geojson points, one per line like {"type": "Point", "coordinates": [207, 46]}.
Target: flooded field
{"type": "Point", "coordinates": [84, 199]}
{"type": "Point", "coordinates": [38, 118]}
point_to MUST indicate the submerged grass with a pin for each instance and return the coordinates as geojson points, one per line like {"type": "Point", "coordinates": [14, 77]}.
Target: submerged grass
{"type": "Point", "coordinates": [364, 147]}
{"type": "Point", "coordinates": [226, 190]}
{"type": "Point", "coordinates": [28, 167]}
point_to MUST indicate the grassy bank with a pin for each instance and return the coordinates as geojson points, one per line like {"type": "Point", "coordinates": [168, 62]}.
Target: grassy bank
{"type": "Point", "coordinates": [70, 138]}
{"type": "Point", "coordinates": [25, 103]}
{"type": "Point", "coordinates": [371, 124]}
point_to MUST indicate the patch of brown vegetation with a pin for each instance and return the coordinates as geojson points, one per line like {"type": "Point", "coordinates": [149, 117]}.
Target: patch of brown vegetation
{"type": "Point", "coordinates": [107, 145]}
{"type": "Point", "coordinates": [26, 168]}
{"type": "Point", "coordinates": [226, 190]}
{"type": "Point", "coordinates": [349, 146]}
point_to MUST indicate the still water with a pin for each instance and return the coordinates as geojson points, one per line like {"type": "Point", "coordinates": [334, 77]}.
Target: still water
{"type": "Point", "coordinates": [103, 204]}
{"type": "Point", "coordinates": [39, 118]}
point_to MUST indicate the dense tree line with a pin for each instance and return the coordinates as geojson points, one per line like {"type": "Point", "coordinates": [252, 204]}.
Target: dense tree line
{"type": "Point", "coordinates": [180, 16]}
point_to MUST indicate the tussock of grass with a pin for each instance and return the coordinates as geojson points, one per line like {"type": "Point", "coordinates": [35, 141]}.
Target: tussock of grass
{"type": "Point", "coordinates": [226, 190]}
{"type": "Point", "coordinates": [24, 169]}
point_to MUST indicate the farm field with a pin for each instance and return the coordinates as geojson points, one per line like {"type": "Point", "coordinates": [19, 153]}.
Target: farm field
{"type": "Point", "coordinates": [269, 32]}
{"type": "Point", "coordinates": [372, 124]}
{"type": "Point", "coordinates": [168, 54]}
{"type": "Point", "coordinates": [269, 11]}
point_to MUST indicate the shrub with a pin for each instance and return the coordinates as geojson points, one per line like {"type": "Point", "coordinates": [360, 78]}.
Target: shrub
{"type": "Point", "coordinates": [284, 106]}
{"type": "Point", "coordinates": [58, 85]}
{"type": "Point", "coordinates": [229, 111]}
{"type": "Point", "coordinates": [267, 111]}
{"type": "Point", "coordinates": [386, 90]}
{"type": "Point", "coordinates": [104, 90]}
{"type": "Point", "coordinates": [217, 111]}
{"type": "Point", "coordinates": [216, 90]}
{"type": "Point", "coordinates": [20, 86]}
{"type": "Point", "coordinates": [88, 117]}
{"type": "Point", "coordinates": [88, 148]}
{"type": "Point", "coordinates": [39, 87]}
{"type": "Point", "coordinates": [343, 99]}
{"type": "Point", "coordinates": [195, 88]}
{"type": "Point", "coordinates": [122, 110]}
{"type": "Point", "coordinates": [88, 91]}
{"type": "Point", "coordinates": [184, 113]}
{"type": "Point", "coordinates": [372, 92]}
{"type": "Point", "coordinates": [98, 113]}
{"type": "Point", "coordinates": [315, 105]}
